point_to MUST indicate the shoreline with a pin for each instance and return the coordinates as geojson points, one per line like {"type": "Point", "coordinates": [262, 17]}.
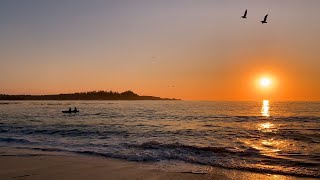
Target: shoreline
{"type": "Point", "coordinates": [90, 95]}
{"type": "Point", "coordinates": [34, 164]}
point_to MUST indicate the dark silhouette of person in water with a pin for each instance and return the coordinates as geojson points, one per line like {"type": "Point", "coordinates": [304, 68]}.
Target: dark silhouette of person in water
{"type": "Point", "coordinates": [70, 110]}
{"type": "Point", "coordinates": [75, 109]}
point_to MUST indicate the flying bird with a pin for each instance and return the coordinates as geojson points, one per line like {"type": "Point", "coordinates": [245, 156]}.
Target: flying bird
{"type": "Point", "coordinates": [265, 19]}
{"type": "Point", "coordinates": [245, 15]}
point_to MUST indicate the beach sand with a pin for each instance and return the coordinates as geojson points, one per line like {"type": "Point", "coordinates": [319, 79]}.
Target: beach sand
{"type": "Point", "coordinates": [31, 164]}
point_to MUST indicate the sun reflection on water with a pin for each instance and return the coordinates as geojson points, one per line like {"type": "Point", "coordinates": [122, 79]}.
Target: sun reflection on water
{"type": "Point", "coordinates": [265, 108]}
{"type": "Point", "coordinates": [267, 127]}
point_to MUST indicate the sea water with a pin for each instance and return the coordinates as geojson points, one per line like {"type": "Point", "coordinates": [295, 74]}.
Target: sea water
{"type": "Point", "coordinates": [262, 136]}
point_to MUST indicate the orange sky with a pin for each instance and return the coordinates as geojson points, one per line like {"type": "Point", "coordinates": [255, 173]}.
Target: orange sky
{"type": "Point", "coordinates": [190, 50]}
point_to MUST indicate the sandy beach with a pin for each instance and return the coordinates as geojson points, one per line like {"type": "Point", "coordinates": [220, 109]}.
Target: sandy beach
{"type": "Point", "coordinates": [31, 164]}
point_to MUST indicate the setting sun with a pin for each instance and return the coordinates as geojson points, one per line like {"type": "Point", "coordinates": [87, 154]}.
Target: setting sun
{"type": "Point", "coordinates": [265, 82]}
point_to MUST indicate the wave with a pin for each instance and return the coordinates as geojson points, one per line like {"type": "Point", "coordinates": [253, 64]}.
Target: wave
{"type": "Point", "coordinates": [15, 140]}
{"type": "Point", "coordinates": [7, 103]}
{"type": "Point", "coordinates": [224, 157]}
{"type": "Point", "coordinates": [75, 131]}
{"type": "Point", "coordinates": [215, 156]}
{"type": "Point", "coordinates": [158, 145]}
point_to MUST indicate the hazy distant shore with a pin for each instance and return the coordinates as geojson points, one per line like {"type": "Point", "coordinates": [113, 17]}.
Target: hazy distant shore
{"type": "Point", "coordinates": [92, 95]}
{"type": "Point", "coordinates": [31, 164]}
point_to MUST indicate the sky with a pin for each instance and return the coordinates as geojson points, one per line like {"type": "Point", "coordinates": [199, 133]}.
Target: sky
{"type": "Point", "coordinates": [187, 49]}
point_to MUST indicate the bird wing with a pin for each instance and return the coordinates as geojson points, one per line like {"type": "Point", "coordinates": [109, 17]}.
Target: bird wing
{"type": "Point", "coordinates": [265, 18]}
{"type": "Point", "coordinates": [245, 13]}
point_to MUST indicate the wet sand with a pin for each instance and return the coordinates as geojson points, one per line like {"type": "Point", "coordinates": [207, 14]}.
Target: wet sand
{"type": "Point", "coordinates": [31, 164]}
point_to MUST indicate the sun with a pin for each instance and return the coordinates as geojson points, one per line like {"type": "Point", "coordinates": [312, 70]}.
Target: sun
{"type": "Point", "coordinates": [265, 82]}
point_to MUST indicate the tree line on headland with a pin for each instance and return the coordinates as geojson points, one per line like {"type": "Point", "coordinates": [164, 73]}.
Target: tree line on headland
{"type": "Point", "coordinates": [92, 95]}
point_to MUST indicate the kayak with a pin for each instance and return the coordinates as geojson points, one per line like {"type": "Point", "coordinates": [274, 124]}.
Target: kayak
{"type": "Point", "coordinates": [70, 111]}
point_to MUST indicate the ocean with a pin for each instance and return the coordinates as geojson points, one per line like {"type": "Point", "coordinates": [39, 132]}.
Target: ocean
{"type": "Point", "coordinates": [261, 136]}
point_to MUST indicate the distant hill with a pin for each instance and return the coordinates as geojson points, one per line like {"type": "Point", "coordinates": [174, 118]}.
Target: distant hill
{"type": "Point", "coordinates": [92, 95]}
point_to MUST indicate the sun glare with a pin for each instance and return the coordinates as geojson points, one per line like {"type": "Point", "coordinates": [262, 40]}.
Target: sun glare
{"type": "Point", "coordinates": [265, 82]}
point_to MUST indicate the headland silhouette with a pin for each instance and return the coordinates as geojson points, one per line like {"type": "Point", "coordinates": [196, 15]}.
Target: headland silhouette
{"type": "Point", "coordinates": [92, 95]}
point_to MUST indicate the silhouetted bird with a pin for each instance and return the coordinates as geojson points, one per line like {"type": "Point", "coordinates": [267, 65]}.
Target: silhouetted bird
{"type": "Point", "coordinates": [245, 15]}
{"type": "Point", "coordinates": [265, 19]}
